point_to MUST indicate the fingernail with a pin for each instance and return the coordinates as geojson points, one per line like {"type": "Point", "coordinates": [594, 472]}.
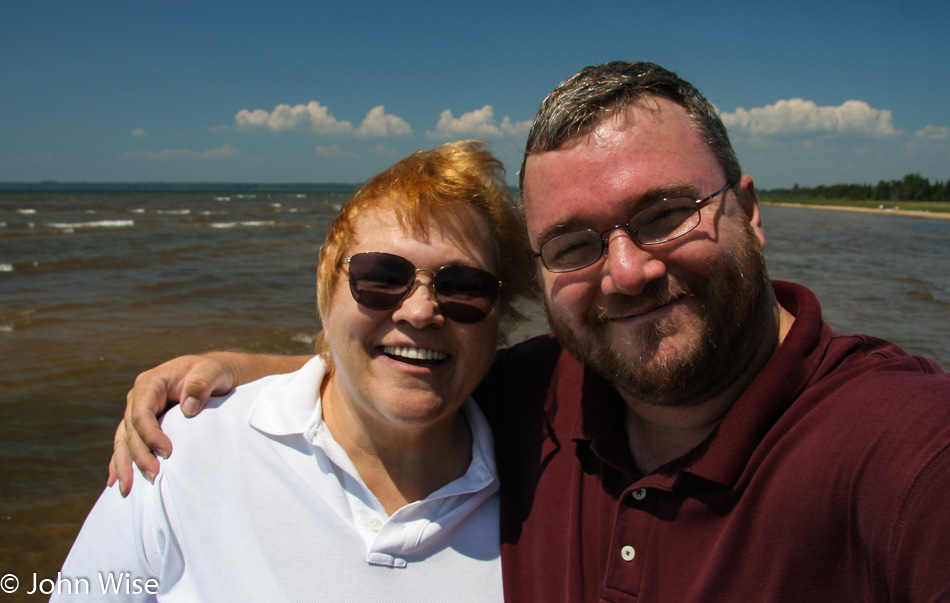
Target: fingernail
{"type": "Point", "coordinates": [150, 476]}
{"type": "Point", "coordinates": [160, 452]}
{"type": "Point", "coordinates": [121, 488]}
{"type": "Point", "coordinates": [191, 406]}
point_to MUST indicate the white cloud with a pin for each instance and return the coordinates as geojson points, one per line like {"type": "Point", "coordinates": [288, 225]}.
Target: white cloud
{"type": "Point", "coordinates": [517, 129]}
{"type": "Point", "coordinates": [317, 118]}
{"type": "Point", "coordinates": [380, 124]}
{"type": "Point", "coordinates": [163, 154]}
{"type": "Point", "coordinates": [933, 133]}
{"type": "Point", "coordinates": [222, 151]}
{"type": "Point", "coordinates": [139, 132]}
{"type": "Point", "coordinates": [479, 123]}
{"type": "Point", "coordinates": [284, 117]}
{"type": "Point", "coordinates": [798, 116]}
{"type": "Point", "coordinates": [334, 150]}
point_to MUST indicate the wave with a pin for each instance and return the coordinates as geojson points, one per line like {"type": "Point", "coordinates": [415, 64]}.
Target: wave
{"type": "Point", "coordinates": [244, 223]}
{"type": "Point", "coordinates": [19, 266]}
{"type": "Point", "coordinates": [97, 224]}
{"type": "Point", "coordinates": [16, 320]}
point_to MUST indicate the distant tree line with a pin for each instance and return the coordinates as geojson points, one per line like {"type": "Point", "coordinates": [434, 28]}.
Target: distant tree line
{"type": "Point", "coordinates": [913, 187]}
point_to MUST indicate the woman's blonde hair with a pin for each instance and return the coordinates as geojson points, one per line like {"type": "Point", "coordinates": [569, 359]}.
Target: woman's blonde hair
{"type": "Point", "coordinates": [435, 185]}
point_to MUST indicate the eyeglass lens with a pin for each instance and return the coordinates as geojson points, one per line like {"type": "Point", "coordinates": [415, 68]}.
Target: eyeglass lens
{"type": "Point", "coordinates": [663, 221]}
{"type": "Point", "coordinates": [380, 281]}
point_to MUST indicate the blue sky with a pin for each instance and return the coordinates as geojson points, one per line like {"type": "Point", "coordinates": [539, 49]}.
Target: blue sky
{"type": "Point", "coordinates": [279, 91]}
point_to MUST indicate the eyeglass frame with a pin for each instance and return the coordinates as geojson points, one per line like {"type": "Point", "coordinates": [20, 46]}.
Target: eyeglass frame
{"type": "Point", "coordinates": [411, 286]}
{"type": "Point", "coordinates": [626, 225]}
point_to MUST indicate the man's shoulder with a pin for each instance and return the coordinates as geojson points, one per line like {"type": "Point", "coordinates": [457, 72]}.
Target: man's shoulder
{"type": "Point", "coordinates": [882, 369]}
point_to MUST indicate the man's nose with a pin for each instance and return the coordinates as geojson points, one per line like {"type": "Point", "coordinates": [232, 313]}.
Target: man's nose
{"type": "Point", "coordinates": [629, 266]}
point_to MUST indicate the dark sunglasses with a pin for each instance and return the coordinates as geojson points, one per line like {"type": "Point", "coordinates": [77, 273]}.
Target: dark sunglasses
{"type": "Point", "coordinates": [380, 281]}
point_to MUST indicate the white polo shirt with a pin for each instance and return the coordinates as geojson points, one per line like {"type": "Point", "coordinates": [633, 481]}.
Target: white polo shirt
{"type": "Point", "coordinates": [260, 503]}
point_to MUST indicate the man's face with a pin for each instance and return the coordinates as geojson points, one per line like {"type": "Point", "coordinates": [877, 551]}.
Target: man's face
{"type": "Point", "coordinates": [665, 323]}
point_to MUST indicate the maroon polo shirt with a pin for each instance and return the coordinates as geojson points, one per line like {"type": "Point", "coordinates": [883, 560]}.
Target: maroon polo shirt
{"type": "Point", "coordinates": [829, 480]}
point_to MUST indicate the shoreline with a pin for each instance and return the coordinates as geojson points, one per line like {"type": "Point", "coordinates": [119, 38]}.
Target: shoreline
{"type": "Point", "coordinates": [868, 210]}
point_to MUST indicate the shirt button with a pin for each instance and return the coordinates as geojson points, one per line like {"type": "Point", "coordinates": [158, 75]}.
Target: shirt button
{"type": "Point", "coordinates": [628, 553]}
{"type": "Point", "coordinates": [375, 524]}
{"type": "Point", "coordinates": [639, 494]}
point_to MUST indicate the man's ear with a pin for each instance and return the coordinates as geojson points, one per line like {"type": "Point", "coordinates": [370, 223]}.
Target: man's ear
{"type": "Point", "coordinates": [749, 203]}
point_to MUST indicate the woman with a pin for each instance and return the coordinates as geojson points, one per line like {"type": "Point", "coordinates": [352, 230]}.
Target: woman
{"type": "Point", "coordinates": [337, 481]}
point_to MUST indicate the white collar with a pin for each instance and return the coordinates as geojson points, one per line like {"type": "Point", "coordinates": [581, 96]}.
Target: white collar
{"type": "Point", "coordinates": [290, 404]}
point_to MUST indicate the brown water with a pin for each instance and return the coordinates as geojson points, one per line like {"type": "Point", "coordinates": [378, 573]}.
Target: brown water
{"type": "Point", "coordinates": [97, 285]}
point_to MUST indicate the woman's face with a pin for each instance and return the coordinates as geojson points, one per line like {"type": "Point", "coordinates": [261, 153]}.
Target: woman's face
{"type": "Point", "coordinates": [409, 367]}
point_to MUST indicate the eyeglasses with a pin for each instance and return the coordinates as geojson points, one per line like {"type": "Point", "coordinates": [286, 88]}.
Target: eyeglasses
{"type": "Point", "coordinates": [660, 222]}
{"type": "Point", "coordinates": [381, 281]}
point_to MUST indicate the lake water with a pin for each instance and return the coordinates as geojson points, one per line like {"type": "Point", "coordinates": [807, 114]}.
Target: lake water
{"type": "Point", "coordinates": [97, 285]}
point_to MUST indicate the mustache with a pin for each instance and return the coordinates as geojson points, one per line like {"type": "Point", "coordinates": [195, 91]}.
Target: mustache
{"type": "Point", "coordinates": [655, 294]}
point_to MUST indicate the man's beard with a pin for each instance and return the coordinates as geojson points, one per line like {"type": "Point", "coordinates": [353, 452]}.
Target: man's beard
{"type": "Point", "coordinates": [733, 304]}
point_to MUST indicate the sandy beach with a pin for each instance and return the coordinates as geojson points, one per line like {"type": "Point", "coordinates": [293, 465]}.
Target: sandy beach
{"type": "Point", "coordinates": [867, 210]}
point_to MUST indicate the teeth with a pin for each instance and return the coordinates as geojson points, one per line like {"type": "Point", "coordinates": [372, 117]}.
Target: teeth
{"type": "Point", "coordinates": [414, 353]}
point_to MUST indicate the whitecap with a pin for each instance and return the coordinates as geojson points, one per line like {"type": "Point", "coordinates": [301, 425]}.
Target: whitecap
{"type": "Point", "coordinates": [15, 266]}
{"type": "Point", "coordinates": [244, 223]}
{"type": "Point", "coordinates": [70, 226]}
{"type": "Point", "coordinates": [303, 338]}
{"type": "Point", "coordinates": [25, 211]}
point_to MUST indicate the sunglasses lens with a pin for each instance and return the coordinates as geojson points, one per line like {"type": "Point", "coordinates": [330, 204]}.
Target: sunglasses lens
{"type": "Point", "coordinates": [380, 281]}
{"type": "Point", "coordinates": [465, 294]}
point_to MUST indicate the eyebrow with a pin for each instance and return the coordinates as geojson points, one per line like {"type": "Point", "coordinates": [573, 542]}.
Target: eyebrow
{"type": "Point", "coordinates": [583, 221]}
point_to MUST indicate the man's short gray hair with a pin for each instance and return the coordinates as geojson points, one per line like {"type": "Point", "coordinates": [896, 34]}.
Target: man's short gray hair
{"type": "Point", "coordinates": [580, 103]}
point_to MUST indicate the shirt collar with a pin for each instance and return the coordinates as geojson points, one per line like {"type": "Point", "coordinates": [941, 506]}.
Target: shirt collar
{"type": "Point", "coordinates": [729, 448]}
{"type": "Point", "coordinates": [289, 403]}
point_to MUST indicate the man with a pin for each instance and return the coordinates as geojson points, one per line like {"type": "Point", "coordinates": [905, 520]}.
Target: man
{"type": "Point", "coordinates": [703, 435]}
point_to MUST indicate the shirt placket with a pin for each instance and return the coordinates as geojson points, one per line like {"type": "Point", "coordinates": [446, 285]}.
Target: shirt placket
{"type": "Point", "coordinates": [630, 544]}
